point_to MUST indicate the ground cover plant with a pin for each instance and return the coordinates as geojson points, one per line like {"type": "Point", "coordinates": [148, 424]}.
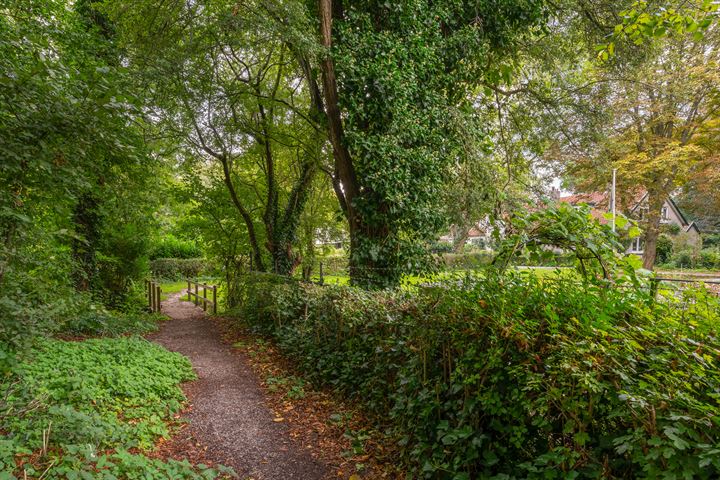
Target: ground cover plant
{"type": "Point", "coordinates": [514, 376]}
{"type": "Point", "coordinates": [89, 409]}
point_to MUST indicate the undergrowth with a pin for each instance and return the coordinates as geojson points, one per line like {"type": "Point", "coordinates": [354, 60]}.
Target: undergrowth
{"type": "Point", "coordinates": [90, 409]}
{"type": "Point", "coordinates": [511, 376]}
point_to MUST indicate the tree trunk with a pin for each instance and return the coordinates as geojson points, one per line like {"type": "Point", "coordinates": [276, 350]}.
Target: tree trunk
{"type": "Point", "coordinates": [652, 229]}
{"type": "Point", "coordinates": [258, 263]}
{"type": "Point", "coordinates": [281, 228]}
{"type": "Point", "coordinates": [347, 189]}
{"type": "Point", "coordinates": [460, 236]}
{"type": "Point", "coordinates": [285, 233]}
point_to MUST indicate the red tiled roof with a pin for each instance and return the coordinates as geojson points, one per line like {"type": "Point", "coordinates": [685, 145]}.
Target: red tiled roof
{"type": "Point", "coordinates": [600, 202]}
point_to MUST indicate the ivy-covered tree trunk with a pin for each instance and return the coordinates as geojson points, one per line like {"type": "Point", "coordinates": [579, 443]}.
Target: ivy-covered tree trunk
{"type": "Point", "coordinates": [283, 235]}
{"type": "Point", "coordinates": [390, 104]}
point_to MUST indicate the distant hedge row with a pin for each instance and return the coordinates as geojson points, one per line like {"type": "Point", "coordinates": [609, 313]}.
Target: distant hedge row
{"type": "Point", "coordinates": [459, 261]}
{"type": "Point", "coordinates": [708, 258]}
{"type": "Point", "coordinates": [513, 377]}
{"type": "Point", "coordinates": [179, 268]}
{"type": "Point", "coordinates": [170, 246]}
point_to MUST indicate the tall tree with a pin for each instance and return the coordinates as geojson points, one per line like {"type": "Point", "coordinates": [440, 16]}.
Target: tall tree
{"type": "Point", "coordinates": [386, 98]}
{"type": "Point", "coordinates": [394, 74]}
{"type": "Point", "coordinates": [659, 106]}
{"type": "Point", "coordinates": [229, 89]}
{"type": "Point", "coordinates": [638, 106]}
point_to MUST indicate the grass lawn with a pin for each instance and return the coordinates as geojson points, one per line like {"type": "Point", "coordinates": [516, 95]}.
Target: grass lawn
{"type": "Point", "coordinates": [168, 288]}
{"type": "Point", "coordinates": [415, 280]}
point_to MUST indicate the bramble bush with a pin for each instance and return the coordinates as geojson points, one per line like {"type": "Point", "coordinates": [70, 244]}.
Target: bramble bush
{"type": "Point", "coordinates": [511, 376]}
{"type": "Point", "coordinates": [78, 409]}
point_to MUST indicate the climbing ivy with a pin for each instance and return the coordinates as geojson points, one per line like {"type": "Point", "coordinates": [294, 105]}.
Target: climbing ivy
{"type": "Point", "coordinates": [408, 72]}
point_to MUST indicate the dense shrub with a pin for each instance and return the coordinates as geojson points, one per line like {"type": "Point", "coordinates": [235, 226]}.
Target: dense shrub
{"type": "Point", "coordinates": [121, 261]}
{"type": "Point", "coordinates": [170, 246]}
{"type": "Point", "coordinates": [711, 240]}
{"type": "Point", "coordinates": [709, 258]}
{"type": "Point", "coordinates": [96, 321]}
{"type": "Point", "coordinates": [179, 268]}
{"type": "Point", "coordinates": [683, 259]}
{"type": "Point", "coordinates": [664, 248]}
{"type": "Point", "coordinates": [95, 401]}
{"type": "Point", "coordinates": [441, 247]}
{"type": "Point", "coordinates": [513, 377]}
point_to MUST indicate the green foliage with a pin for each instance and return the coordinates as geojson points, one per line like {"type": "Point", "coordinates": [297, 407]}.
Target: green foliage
{"type": "Point", "coordinates": [402, 101]}
{"type": "Point", "coordinates": [93, 401]}
{"type": "Point", "coordinates": [645, 21]}
{"type": "Point", "coordinates": [475, 260]}
{"type": "Point", "coordinates": [75, 171]}
{"type": "Point", "coordinates": [121, 261]}
{"type": "Point", "coordinates": [683, 259]}
{"type": "Point", "coordinates": [712, 240]}
{"type": "Point", "coordinates": [514, 376]}
{"type": "Point", "coordinates": [708, 258]}
{"type": "Point", "coordinates": [179, 268]}
{"type": "Point", "coordinates": [441, 247]}
{"type": "Point", "coordinates": [595, 247]}
{"type": "Point", "coordinates": [169, 246]}
{"type": "Point", "coordinates": [664, 248]}
{"type": "Point", "coordinates": [94, 320]}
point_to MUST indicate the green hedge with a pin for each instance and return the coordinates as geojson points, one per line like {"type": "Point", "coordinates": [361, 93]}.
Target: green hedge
{"type": "Point", "coordinates": [708, 259]}
{"type": "Point", "coordinates": [513, 377]}
{"type": "Point", "coordinates": [179, 268]}
{"type": "Point", "coordinates": [170, 246]}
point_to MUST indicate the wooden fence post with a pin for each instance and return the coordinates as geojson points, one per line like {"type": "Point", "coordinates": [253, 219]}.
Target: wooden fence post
{"type": "Point", "coordinates": [188, 291]}
{"type": "Point", "coordinates": [214, 299]}
{"type": "Point", "coordinates": [196, 294]}
{"type": "Point", "coordinates": [322, 279]}
{"type": "Point", "coordinates": [204, 297]}
{"type": "Point", "coordinates": [159, 297]}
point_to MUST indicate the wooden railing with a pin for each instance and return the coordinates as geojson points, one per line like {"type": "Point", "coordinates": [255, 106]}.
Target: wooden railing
{"type": "Point", "coordinates": [204, 299]}
{"type": "Point", "coordinates": [154, 294]}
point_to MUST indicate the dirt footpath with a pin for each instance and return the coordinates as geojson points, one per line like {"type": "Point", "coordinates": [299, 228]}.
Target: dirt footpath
{"type": "Point", "coordinates": [228, 413]}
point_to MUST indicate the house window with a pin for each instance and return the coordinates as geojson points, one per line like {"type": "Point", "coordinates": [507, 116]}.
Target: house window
{"type": "Point", "coordinates": [636, 245]}
{"type": "Point", "coordinates": [664, 213]}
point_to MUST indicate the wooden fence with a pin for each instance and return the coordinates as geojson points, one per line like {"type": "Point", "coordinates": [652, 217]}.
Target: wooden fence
{"type": "Point", "coordinates": [204, 299]}
{"type": "Point", "coordinates": [154, 294]}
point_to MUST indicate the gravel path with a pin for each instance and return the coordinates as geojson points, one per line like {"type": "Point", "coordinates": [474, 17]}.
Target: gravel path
{"type": "Point", "coordinates": [228, 411]}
